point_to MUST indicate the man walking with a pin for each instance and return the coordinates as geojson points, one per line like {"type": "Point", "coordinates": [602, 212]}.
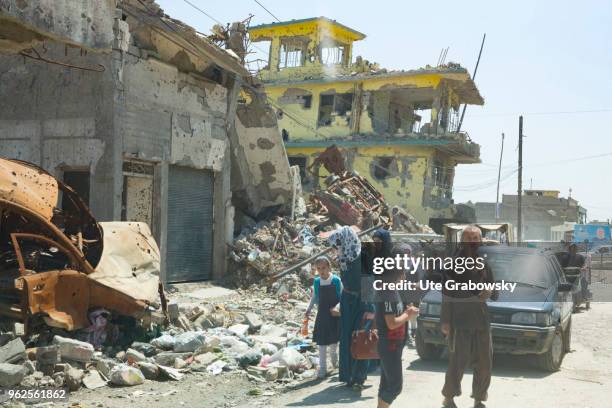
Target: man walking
{"type": "Point", "coordinates": [466, 325]}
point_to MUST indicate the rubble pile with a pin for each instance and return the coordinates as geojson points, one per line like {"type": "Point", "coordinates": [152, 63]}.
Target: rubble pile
{"type": "Point", "coordinates": [264, 249]}
{"type": "Point", "coordinates": [271, 246]}
{"type": "Point", "coordinates": [253, 332]}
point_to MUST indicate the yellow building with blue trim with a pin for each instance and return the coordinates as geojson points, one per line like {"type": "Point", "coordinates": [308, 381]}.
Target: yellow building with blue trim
{"type": "Point", "coordinates": [399, 129]}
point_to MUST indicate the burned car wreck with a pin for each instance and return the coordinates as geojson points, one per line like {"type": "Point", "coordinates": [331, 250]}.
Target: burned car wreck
{"type": "Point", "coordinates": [58, 264]}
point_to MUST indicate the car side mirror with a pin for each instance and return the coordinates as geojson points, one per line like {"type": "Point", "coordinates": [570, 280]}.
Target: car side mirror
{"type": "Point", "coordinates": [565, 287]}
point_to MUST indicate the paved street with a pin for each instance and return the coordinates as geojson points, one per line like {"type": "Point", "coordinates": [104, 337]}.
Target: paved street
{"type": "Point", "coordinates": [584, 380]}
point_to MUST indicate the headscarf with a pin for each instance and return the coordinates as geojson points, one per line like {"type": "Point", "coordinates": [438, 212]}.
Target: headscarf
{"type": "Point", "coordinates": [347, 242]}
{"type": "Point", "coordinates": [403, 248]}
{"type": "Point", "coordinates": [387, 245]}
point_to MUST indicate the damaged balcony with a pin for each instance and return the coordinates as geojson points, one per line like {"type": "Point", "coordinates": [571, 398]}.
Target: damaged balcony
{"type": "Point", "coordinates": [380, 111]}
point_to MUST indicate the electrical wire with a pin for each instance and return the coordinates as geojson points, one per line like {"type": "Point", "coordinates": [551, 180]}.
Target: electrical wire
{"type": "Point", "coordinates": [603, 110]}
{"type": "Point", "coordinates": [203, 12]}
{"type": "Point", "coordinates": [473, 187]}
{"type": "Point", "coordinates": [268, 11]}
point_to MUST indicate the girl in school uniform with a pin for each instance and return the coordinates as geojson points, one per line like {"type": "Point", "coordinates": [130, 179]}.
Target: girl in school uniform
{"type": "Point", "coordinates": [327, 289]}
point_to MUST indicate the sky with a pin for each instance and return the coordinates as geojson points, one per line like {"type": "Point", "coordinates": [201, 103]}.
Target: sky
{"type": "Point", "coordinates": [550, 61]}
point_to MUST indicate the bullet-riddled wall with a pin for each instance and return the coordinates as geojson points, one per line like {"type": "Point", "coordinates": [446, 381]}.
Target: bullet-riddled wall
{"type": "Point", "coordinates": [144, 124]}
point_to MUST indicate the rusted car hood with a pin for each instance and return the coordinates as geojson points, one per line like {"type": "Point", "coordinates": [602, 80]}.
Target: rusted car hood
{"type": "Point", "coordinates": [112, 265]}
{"type": "Point", "coordinates": [28, 187]}
{"type": "Point", "coordinates": [130, 261]}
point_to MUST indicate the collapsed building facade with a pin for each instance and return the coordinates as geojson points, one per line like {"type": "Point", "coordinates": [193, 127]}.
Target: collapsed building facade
{"type": "Point", "coordinates": [399, 129]}
{"type": "Point", "coordinates": [136, 112]}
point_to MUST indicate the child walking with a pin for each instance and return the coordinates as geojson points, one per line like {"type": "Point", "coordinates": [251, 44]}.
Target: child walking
{"type": "Point", "coordinates": [327, 288]}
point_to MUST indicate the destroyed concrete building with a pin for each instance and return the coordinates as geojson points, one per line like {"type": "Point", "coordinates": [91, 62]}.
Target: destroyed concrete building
{"type": "Point", "coordinates": [399, 129]}
{"type": "Point", "coordinates": [136, 112]}
{"type": "Point", "coordinates": [542, 211]}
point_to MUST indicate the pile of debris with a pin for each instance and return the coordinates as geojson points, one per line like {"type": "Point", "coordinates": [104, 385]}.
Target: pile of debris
{"type": "Point", "coordinates": [252, 331]}
{"type": "Point", "coordinates": [261, 251]}
{"type": "Point", "coordinates": [350, 199]}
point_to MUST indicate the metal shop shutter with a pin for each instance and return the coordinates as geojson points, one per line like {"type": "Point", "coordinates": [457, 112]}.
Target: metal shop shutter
{"type": "Point", "coordinates": [190, 224]}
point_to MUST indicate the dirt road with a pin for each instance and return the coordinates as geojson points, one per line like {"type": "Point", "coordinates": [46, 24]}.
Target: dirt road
{"type": "Point", "coordinates": [584, 381]}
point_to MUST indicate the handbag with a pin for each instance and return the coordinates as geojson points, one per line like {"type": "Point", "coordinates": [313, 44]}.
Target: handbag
{"type": "Point", "coordinates": [364, 344]}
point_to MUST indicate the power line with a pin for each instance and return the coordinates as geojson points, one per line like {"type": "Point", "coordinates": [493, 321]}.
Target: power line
{"type": "Point", "coordinates": [603, 110]}
{"type": "Point", "coordinates": [566, 161]}
{"type": "Point", "coordinates": [203, 12]}
{"type": "Point", "coordinates": [463, 188]}
{"type": "Point", "coordinates": [269, 12]}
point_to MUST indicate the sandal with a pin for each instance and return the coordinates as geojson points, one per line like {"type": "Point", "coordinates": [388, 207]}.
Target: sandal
{"type": "Point", "coordinates": [449, 404]}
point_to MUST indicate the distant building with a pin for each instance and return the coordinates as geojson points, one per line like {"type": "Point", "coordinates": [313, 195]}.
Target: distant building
{"type": "Point", "coordinates": [542, 210]}
{"type": "Point", "coordinates": [399, 129]}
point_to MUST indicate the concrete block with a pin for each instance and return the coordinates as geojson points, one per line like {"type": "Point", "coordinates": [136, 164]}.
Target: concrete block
{"type": "Point", "coordinates": [71, 349]}
{"type": "Point", "coordinates": [11, 374]}
{"type": "Point", "coordinates": [13, 352]}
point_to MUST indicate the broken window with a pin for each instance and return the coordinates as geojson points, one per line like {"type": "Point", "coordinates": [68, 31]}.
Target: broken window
{"type": "Point", "coordinates": [384, 167]}
{"type": "Point", "coordinates": [292, 53]}
{"type": "Point", "coordinates": [326, 107]}
{"type": "Point", "coordinates": [301, 163]}
{"type": "Point", "coordinates": [334, 105]}
{"type": "Point", "coordinates": [307, 101]}
{"type": "Point", "coordinates": [333, 54]}
{"type": "Point", "coordinates": [442, 176]}
{"type": "Point", "coordinates": [293, 96]}
{"type": "Point", "coordinates": [343, 104]}
{"type": "Point", "coordinates": [78, 180]}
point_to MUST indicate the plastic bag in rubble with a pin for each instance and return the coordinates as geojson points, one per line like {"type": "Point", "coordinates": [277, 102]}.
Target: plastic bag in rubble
{"type": "Point", "coordinates": [164, 342]}
{"type": "Point", "coordinates": [216, 367]}
{"type": "Point", "coordinates": [251, 357]}
{"type": "Point", "coordinates": [123, 374]}
{"type": "Point", "coordinates": [233, 346]}
{"type": "Point", "coordinates": [306, 236]}
{"type": "Point", "coordinates": [189, 341]}
{"type": "Point", "coordinates": [291, 358]}
{"type": "Point", "coordinates": [253, 255]}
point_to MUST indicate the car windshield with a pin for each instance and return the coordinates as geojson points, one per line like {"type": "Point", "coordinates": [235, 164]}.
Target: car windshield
{"type": "Point", "coordinates": [529, 270]}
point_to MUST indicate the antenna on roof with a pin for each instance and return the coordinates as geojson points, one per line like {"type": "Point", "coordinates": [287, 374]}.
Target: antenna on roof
{"type": "Point", "coordinates": [442, 56]}
{"type": "Point", "coordinates": [473, 79]}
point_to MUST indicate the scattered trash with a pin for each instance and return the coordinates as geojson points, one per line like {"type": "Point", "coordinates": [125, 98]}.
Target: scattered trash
{"type": "Point", "coordinates": [124, 374]}
{"type": "Point", "coordinates": [216, 367]}
{"type": "Point", "coordinates": [189, 341]}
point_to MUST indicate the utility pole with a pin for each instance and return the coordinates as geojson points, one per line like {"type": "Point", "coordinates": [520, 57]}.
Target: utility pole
{"type": "Point", "coordinates": [501, 155]}
{"type": "Point", "coordinates": [520, 183]}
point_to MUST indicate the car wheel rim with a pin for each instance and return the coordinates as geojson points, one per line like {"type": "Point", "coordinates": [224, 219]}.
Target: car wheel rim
{"type": "Point", "coordinates": [557, 348]}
